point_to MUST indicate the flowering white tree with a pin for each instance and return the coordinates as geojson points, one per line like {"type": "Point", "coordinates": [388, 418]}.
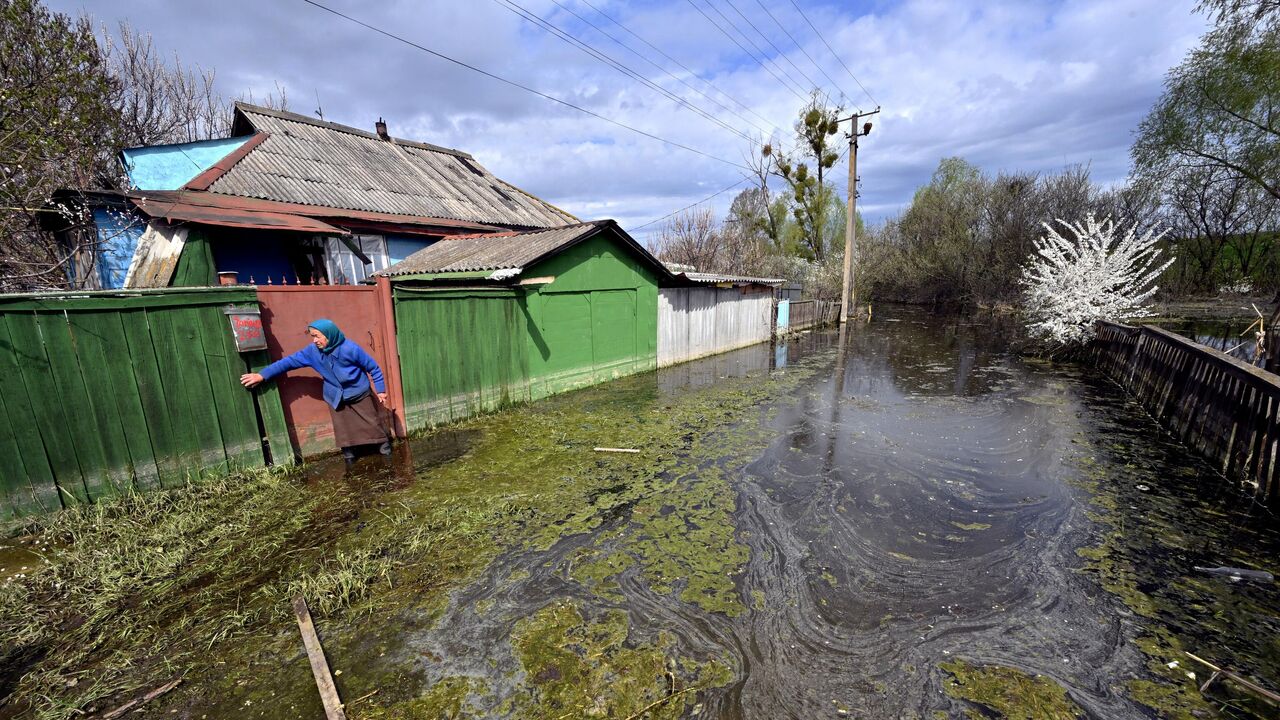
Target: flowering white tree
{"type": "Point", "coordinates": [1070, 284]}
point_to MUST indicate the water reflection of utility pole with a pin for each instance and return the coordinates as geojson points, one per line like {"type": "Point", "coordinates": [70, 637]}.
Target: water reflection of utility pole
{"type": "Point", "coordinates": [837, 399]}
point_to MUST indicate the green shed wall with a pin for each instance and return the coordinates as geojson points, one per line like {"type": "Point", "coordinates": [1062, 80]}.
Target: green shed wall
{"type": "Point", "coordinates": [106, 392]}
{"type": "Point", "coordinates": [469, 351]}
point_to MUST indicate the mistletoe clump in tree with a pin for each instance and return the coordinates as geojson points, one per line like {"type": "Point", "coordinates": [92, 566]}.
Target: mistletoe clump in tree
{"type": "Point", "coordinates": [1072, 283]}
{"type": "Point", "coordinates": [812, 196]}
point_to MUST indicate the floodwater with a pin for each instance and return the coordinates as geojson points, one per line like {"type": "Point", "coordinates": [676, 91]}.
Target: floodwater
{"type": "Point", "coordinates": [913, 501]}
{"type": "Point", "coordinates": [1233, 337]}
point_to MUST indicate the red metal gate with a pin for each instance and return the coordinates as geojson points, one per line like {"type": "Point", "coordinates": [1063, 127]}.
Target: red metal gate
{"type": "Point", "coordinates": [364, 312]}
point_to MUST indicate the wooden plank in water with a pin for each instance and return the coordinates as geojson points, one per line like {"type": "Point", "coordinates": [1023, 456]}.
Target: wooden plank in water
{"type": "Point", "coordinates": [319, 665]}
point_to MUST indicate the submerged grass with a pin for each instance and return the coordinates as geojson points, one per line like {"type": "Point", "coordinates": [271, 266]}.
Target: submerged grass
{"type": "Point", "coordinates": [1151, 541]}
{"type": "Point", "coordinates": [1012, 694]}
{"type": "Point", "coordinates": [86, 626]}
{"type": "Point", "coordinates": [146, 588]}
{"type": "Point", "coordinates": [143, 586]}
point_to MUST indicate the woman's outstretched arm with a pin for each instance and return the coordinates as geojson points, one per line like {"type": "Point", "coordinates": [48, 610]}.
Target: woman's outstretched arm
{"type": "Point", "coordinates": [279, 367]}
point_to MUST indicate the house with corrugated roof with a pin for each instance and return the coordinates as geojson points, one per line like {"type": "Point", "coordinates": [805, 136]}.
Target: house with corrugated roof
{"type": "Point", "coordinates": [289, 199]}
{"type": "Point", "coordinates": [489, 319]}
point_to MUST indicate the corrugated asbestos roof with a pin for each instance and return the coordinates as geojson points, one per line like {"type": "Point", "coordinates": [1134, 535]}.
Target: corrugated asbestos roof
{"type": "Point", "coordinates": [498, 253]}
{"type": "Point", "coordinates": [321, 163]}
{"type": "Point", "coordinates": [506, 251]}
{"type": "Point", "coordinates": [720, 278]}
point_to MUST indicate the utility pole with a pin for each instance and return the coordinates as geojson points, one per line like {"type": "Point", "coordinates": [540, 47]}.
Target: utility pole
{"type": "Point", "coordinates": [848, 297]}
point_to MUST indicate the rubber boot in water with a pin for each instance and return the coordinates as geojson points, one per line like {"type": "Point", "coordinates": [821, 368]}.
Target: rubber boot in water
{"type": "Point", "coordinates": [385, 449]}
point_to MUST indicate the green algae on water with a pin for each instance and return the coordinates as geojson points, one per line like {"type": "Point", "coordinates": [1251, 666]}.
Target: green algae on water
{"type": "Point", "coordinates": [1168, 607]}
{"type": "Point", "coordinates": [1012, 694]}
{"type": "Point", "coordinates": [584, 668]}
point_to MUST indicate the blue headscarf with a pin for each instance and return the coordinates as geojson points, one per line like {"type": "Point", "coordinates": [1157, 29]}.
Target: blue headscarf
{"type": "Point", "coordinates": [330, 332]}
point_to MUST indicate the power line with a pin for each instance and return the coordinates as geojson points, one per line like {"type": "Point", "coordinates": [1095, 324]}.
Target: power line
{"type": "Point", "coordinates": [661, 69]}
{"type": "Point", "coordinates": [800, 47]}
{"type": "Point", "coordinates": [776, 49]}
{"type": "Point", "coordinates": [686, 207]}
{"type": "Point", "coordinates": [764, 55]}
{"type": "Point", "coordinates": [526, 88]}
{"type": "Point", "coordinates": [566, 37]}
{"type": "Point", "coordinates": [681, 65]}
{"type": "Point", "coordinates": [745, 50]}
{"type": "Point", "coordinates": [833, 52]}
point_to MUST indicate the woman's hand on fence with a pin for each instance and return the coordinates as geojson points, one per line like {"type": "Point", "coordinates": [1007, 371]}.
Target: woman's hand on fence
{"type": "Point", "coordinates": [250, 379]}
{"type": "Point", "coordinates": [382, 397]}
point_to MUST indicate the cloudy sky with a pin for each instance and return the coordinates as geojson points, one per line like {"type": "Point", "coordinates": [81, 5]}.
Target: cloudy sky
{"type": "Point", "coordinates": [1031, 85]}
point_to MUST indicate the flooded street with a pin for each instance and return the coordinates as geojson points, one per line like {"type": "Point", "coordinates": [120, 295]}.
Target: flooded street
{"type": "Point", "coordinates": [922, 525]}
{"type": "Point", "coordinates": [916, 501]}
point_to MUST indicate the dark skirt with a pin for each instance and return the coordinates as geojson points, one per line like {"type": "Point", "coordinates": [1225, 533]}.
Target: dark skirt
{"type": "Point", "coordinates": [359, 422]}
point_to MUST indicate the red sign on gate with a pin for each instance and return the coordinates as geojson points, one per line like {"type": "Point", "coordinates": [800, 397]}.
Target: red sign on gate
{"type": "Point", "coordinates": [246, 328]}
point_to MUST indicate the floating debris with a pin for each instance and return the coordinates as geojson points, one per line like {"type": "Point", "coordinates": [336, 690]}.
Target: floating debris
{"type": "Point", "coordinates": [1237, 574]}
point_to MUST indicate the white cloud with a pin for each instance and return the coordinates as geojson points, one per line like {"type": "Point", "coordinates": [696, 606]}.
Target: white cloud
{"type": "Point", "coordinates": [1008, 85]}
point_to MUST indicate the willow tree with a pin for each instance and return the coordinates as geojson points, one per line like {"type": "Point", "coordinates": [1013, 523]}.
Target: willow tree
{"type": "Point", "coordinates": [1221, 106]}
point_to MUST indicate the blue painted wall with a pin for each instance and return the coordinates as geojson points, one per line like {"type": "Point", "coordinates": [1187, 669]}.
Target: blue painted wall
{"type": "Point", "coordinates": [400, 247]}
{"type": "Point", "coordinates": [169, 167]}
{"type": "Point", "coordinates": [118, 232]}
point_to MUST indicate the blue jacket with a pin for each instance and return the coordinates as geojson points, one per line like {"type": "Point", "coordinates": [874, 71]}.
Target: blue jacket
{"type": "Point", "coordinates": [346, 370]}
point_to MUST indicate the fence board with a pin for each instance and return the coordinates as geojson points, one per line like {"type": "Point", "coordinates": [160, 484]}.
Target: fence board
{"type": "Point", "coordinates": [194, 373]}
{"type": "Point", "coordinates": [51, 409]}
{"type": "Point", "coordinates": [121, 368]}
{"type": "Point", "coordinates": [15, 492]}
{"type": "Point", "coordinates": [239, 430]}
{"type": "Point", "coordinates": [175, 380]}
{"type": "Point", "coordinates": [1217, 404]}
{"type": "Point", "coordinates": [90, 446]}
{"type": "Point", "coordinates": [166, 446]}
{"type": "Point", "coordinates": [270, 408]}
{"type": "Point", "coordinates": [140, 392]}
{"type": "Point", "coordinates": [87, 330]}
{"type": "Point", "coordinates": [15, 403]}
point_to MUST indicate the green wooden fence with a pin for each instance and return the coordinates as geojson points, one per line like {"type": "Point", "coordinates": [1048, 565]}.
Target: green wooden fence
{"type": "Point", "coordinates": [104, 392]}
{"type": "Point", "coordinates": [464, 351]}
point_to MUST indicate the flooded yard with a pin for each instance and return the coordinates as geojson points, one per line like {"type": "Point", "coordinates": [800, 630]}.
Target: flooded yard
{"type": "Point", "coordinates": [909, 521]}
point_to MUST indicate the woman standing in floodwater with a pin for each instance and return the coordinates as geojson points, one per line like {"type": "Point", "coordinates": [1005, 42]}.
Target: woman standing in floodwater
{"type": "Point", "coordinates": [346, 369]}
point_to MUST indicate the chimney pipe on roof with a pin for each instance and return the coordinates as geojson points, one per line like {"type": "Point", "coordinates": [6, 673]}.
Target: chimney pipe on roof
{"type": "Point", "coordinates": [381, 128]}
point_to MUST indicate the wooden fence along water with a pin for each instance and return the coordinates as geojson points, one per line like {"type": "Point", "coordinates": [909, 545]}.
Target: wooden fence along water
{"type": "Point", "coordinates": [804, 314]}
{"type": "Point", "coordinates": [107, 391]}
{"type": "Point", "coordinates": [1221, 406]}
{"type": "Point", "coordinates": [697, 321]}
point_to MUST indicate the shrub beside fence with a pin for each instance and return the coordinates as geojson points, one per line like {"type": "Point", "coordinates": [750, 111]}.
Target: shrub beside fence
{"type": "Point", "coordinates": [102, 392]}
{"type": "Point", "coordinates": [1221, 406]}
